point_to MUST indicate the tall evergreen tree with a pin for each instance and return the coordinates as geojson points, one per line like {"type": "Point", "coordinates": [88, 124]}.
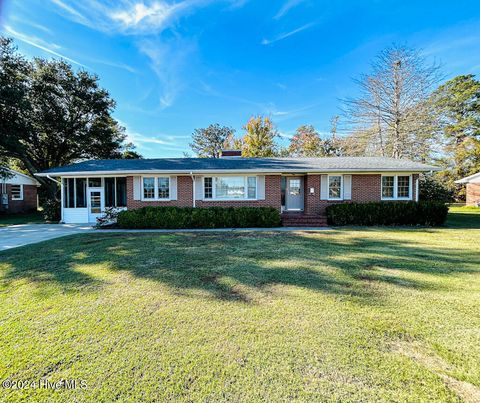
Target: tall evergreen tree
{"type": "Point", "coordinates": [457, 105]}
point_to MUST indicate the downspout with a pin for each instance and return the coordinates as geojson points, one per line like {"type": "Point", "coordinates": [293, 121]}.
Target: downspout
{"type": "Point", "coordinates": [58, 182]}
{"type": "Point", "coordinates": [193, 188]}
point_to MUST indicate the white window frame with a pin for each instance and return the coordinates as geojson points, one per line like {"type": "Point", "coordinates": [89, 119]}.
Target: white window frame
{"type": "Point", "coordinates": [21, 192]}
{"type": "Point", "coordinates": [155, 187]}
{"type": "Point", "coordinates": [395, 187]}
{"type": "Point", "coordinates": [341, 187]}
{"type": "Point", "coordinates": [214, 188]}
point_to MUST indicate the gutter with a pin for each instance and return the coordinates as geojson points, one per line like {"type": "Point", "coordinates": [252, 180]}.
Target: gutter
{"type": "Point", "coordinates": [245, 170]}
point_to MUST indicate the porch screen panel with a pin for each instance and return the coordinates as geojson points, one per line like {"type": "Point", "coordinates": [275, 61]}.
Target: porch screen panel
{"type": "Point", "coordinates": [109, 185]}
{"type": "Point", "coordinates": [121, 192]}
{"type": "Point", "coordinates": [81, 199]}
{"type": "Point", "coordinates": [70, 202]}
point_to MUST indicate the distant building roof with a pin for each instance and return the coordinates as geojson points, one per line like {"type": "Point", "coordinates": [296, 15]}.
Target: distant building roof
{"type": "Point", "coordinates": [475, 178]}
{"type": "Point", "coordinates": [267, 165]}
{"type": "Point", "coordinates": [17, 178]}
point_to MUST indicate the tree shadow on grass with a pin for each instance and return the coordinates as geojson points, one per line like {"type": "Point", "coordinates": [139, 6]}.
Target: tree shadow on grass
{"type": "Point", "coordinates": [231, 266]}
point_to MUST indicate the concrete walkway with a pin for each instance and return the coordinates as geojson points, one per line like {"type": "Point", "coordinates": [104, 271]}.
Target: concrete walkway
{"type": "Point", "coordinates": [19, 235]}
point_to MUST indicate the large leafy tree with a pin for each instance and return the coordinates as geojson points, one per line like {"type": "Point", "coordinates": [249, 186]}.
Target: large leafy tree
{"type": "Point", "coordinates": [259, 139]}
{"type": "Point", "coordinates": [51, 115]}
{"type": "Point", "coordinates": [210, 141]}
{"type": "Point", "coordinates": [457, 104]}
{"type": "Point", "coordinates": [306, 142]}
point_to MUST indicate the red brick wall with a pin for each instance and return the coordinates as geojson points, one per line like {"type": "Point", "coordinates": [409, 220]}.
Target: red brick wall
{"type": "Point", "coordinates": [365, 188]}
{"type": "Point", "coordinates": [473, 194]}
{"type": "Point", "coordinates": [184, 195]}
{"type": "Point", "coordinates": [28, 203]}
{"type": "Point", "coordinates": [273, 197]}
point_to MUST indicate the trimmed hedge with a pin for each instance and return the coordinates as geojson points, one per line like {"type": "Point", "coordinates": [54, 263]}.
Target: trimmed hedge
{"type": "Point", "coordinates": [189, 217]}
{"type": "Point", "coordinates": [387, 213]}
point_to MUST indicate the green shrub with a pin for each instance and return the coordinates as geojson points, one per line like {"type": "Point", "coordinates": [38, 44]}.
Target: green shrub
{"type": "Point", "coordinates": [209, 217]}
{"type": "Point", "coordinates": [52, 210]}
{"type": "Point", "coordinates": [388, 213]}
{"type": "Point", "coordinates": [432, 189]}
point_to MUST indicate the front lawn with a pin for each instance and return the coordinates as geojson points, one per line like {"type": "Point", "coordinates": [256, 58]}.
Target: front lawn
{"type": "Point", "coordinates": [35, 217]}
{"type": "Point", "coordinates": [350, 314]}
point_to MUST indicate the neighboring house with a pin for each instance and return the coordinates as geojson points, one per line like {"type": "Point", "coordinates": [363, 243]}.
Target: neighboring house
{"type": "Point", "coordinates": [304, 186]}
{"type": "Point", "coordinates": [18, 193]}
{"type": "Point", "coordinates": [473, 189]}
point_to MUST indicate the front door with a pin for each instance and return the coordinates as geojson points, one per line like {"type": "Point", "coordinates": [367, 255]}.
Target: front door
{"type": "Point", "coordinates": [95, 204]}
{"type": "Point", "coordinates": [294, 199]}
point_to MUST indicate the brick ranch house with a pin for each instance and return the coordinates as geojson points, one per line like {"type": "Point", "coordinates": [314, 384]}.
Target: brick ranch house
{"type": "Point", "coordinates": [473, 189]}
{"type": "Point", "coordinates": [300, 188]}
{"type": "Point", "coordinates": [18, 193]}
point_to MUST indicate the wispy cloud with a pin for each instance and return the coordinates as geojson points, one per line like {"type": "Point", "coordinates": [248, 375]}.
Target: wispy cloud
{"type": "Point", "coordinates": [147, 18]}
{"type": "Point", "coordinates": [40, 44]}
{"type": "Point", "coordinates": [167, 60]}
{"type": "Point", "coordinates": [32, 24]}
{"type": "Point", "coordinates": [287, 6]}
{"type": "Point", "coordinates": [287, 34]}
{"type": "Point", "coordinates": [131, 17]}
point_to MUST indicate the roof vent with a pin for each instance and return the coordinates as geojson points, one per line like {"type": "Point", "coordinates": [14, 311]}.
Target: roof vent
{"type": "Point", "coordinates": [231, 153]}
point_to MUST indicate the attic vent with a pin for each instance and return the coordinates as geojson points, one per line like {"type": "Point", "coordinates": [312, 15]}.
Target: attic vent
{"type": "Point", "coordinates": [231, 153]}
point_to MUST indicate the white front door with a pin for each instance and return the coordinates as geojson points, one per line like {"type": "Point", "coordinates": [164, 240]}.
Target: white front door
{"type": "Point", "coordinates": [95, 204]}
{"type": "Point", "coordinates": [294, 196]}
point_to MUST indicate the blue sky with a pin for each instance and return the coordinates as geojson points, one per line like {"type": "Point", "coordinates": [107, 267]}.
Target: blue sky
{"type": "Point", "coordinates": [173, 66]}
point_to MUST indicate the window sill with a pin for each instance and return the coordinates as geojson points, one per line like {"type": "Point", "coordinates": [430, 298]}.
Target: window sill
{"type": "Point", "coordinates": [396, 198]}
{"type": "Point", "coordinates": [230, 200]}
{"type": "Point", "coordinates": [154, 200]}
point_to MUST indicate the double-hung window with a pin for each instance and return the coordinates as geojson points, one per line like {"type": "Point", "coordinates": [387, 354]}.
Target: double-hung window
{"type": "Point", "coordinates": [335, 187]}
{"type": "Point", "coordinates": [163, 188]}
{"type": "Point", "coordinates": [396, 187]}
{"type": "Point", "coordinates": [230, 187]}
{"type": "Point", "coordinates": [149, 188]}
{"type": "Point", "coordinates": [17, 192]}
{"type": "Point", "coordinates": [156, 188]}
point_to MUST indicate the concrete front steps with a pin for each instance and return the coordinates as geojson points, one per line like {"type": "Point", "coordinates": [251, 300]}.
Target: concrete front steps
{"type": "Point", "coordinates": [303, 220]}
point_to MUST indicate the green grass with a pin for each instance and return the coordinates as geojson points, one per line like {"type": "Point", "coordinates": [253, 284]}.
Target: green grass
{"type": "Point", "coordinates": [379, 314]}
{"type": "Point", "coordinates": [464, 217]}
{"type": "Point", "coordinates": [27, 218]}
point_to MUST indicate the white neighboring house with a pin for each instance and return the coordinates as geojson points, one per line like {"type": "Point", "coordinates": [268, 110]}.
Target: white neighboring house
{"type": "Point", "coordinates": [472, 183]}
{"type": "Point", "coordinates": [18, 193]}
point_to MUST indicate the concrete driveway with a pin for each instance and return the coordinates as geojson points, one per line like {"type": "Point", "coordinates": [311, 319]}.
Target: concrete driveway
{"type": "Point", "coordinates": [19, 235]}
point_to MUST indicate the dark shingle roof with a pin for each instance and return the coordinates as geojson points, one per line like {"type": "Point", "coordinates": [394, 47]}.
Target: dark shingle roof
{"type": "Point", "coordinates": [200, 165]}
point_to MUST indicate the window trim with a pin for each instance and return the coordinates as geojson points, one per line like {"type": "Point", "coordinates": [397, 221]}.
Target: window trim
{"type": "Point", "coordinates": [19, 198]}
{"type": "Point", "coordinates": [328, 187]}
{"type": "Point", "coordinates": [155, 187]}
{"type": "Point", "coordinates": [395, 187]}
{"type": "Point", "coordinates": [214, 188]}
